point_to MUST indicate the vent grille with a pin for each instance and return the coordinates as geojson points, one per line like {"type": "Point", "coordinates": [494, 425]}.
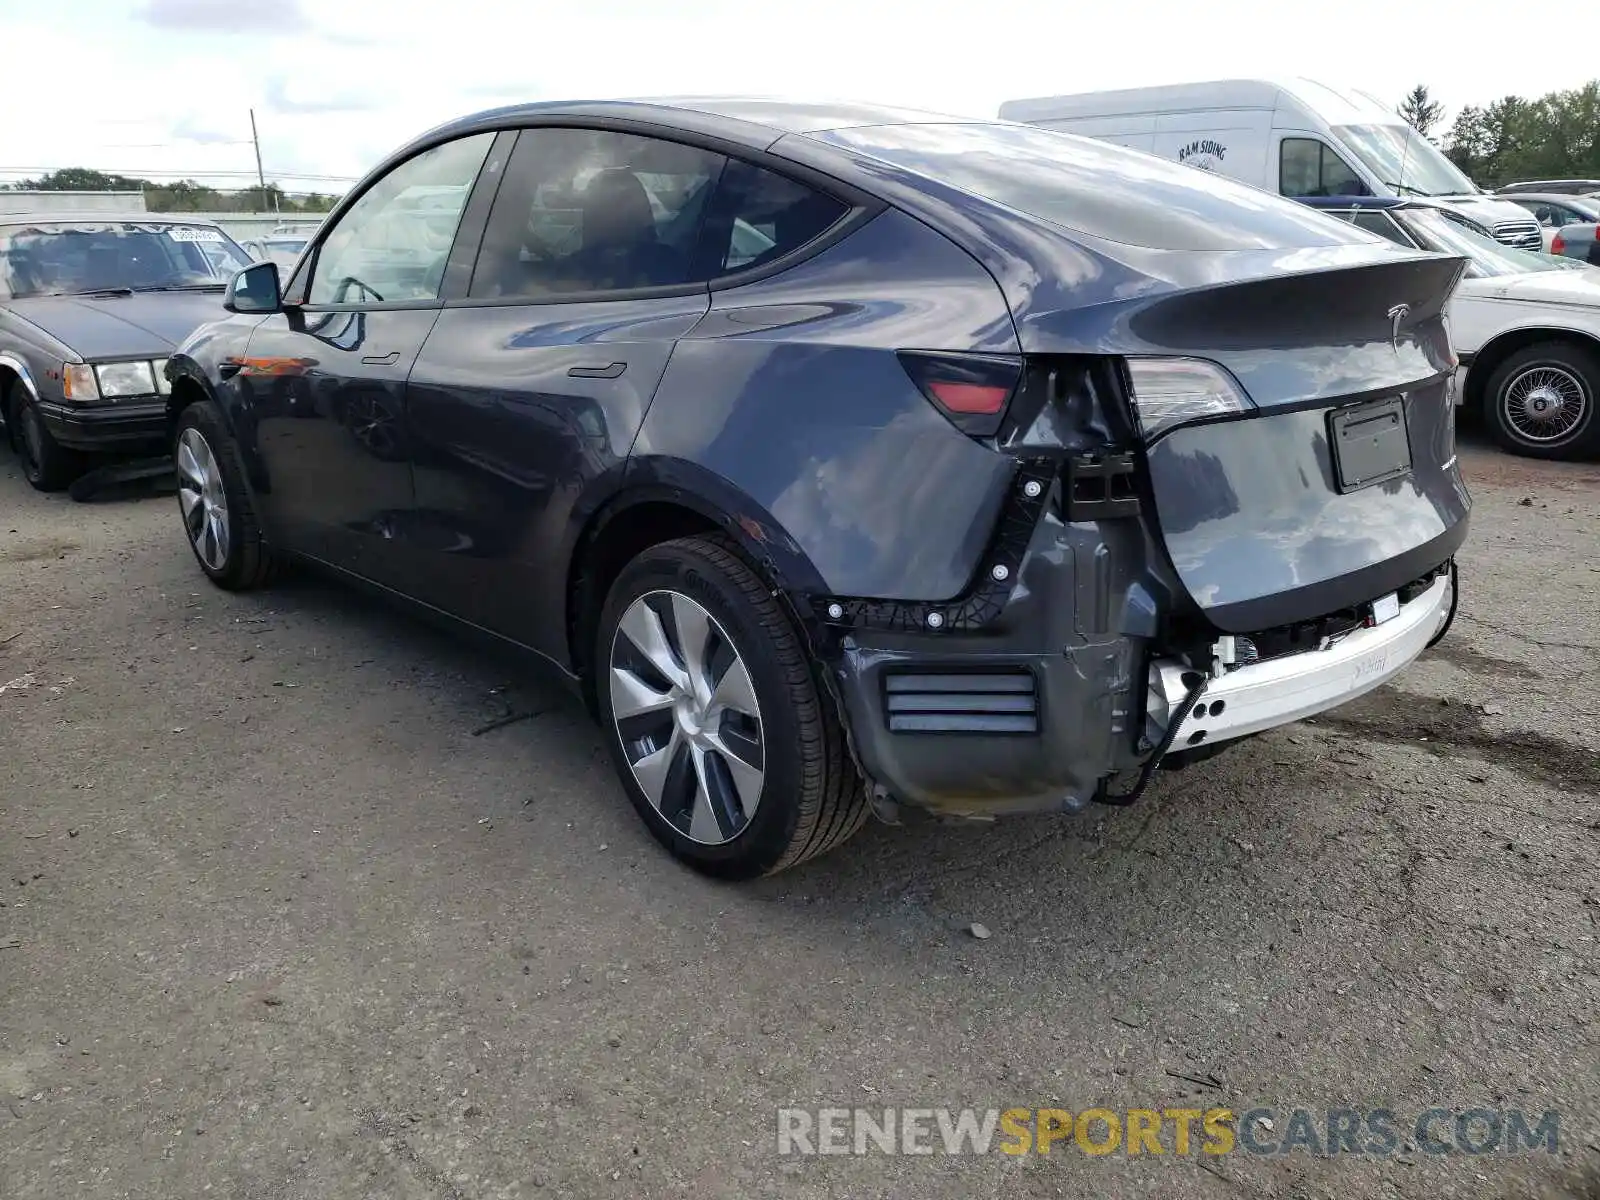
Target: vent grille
{"type": "Point", "coordinates": [1523, 234]}
{"type": "Point", "coordinates": [995, 703]}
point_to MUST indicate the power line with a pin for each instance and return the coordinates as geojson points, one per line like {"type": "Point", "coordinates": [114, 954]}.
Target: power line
{"type": "Point", "coordinates": [171, 145]}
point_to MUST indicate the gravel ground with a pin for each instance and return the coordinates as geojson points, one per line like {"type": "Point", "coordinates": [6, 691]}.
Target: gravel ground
{"type": "Point", "coordinates": [275, 921]}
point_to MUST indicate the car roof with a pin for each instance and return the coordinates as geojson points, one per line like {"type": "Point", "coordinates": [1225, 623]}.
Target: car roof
{"type": "Point", "coordinates": [1549, 197]}
{"type": "Point", "coordinates": [101, 218]}
{"type": "Point", "coordinates": [1383, 203]}
{"type": "Point", "coordinates": [1380, 202]}
{"type": "Point", "coordinates": [1333, 106]}
{"type": "Point", "coordinates": [753, 121]}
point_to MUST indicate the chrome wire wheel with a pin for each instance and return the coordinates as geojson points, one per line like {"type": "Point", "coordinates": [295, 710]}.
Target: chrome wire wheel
{"type": "Point", "coordinates": [1544, 404]}
{"type": "Point", "coordinates": [202, 499]}
{"type": "Point", "coordinates": [687, 717]}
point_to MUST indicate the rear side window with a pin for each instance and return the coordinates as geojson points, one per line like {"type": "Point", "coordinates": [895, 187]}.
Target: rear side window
{"type": "Point", "coordinates": [1383, 225]}
{"type": "Point", "coordinates": [1308, 167]}
{"type": "Point", "coordinates": [1094, 187]}
{"type": "Point", "coordinates": [763, 216]}
{"type": "Point", "coordinates": [588, 210]}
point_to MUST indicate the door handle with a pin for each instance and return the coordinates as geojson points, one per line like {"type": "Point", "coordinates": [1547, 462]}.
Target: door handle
{"type": "Point", "coordinates": [610, 371]}
{"type": "Point", "coordinates": [382, 360]}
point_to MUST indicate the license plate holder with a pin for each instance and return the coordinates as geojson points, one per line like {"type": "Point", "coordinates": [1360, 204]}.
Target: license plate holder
{"type": "Point", "coordinates": [1385, 608]}
{"type": "Point", "coordinates": [1370, 443]}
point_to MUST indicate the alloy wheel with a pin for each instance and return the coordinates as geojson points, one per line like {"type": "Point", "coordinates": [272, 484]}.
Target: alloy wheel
{"type": "Point", "coordinates": [202, 499]}
{"type": "Point", "coordinates": [687, 717]}
{"type": "Point", "coordinates": [1544, 404]}
{"type": "Point", "coordinates": [373, 425]}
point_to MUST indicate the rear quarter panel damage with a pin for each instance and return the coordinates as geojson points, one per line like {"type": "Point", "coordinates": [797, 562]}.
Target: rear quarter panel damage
{"type": "Point", "coordinates": [790, 390]}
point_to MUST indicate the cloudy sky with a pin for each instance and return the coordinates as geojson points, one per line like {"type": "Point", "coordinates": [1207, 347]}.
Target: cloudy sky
{"type": "Point", "coordinates": [165, 86]}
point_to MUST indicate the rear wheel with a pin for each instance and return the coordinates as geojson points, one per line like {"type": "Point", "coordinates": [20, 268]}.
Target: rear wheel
{"type": "Point", "coordinates": [46, 463]}
{"type": "Point", "coordinates": [1540, 402]}
{"type": "Point", "coordinates": [714, 717]}
{"type": "Point", "coordinates": [218, 520]}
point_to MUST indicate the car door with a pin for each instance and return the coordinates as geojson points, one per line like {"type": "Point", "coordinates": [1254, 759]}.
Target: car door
{"type": "Point", "coordinates": [326, 377]}
{"type": "Point", "coordinates": [532, 385]}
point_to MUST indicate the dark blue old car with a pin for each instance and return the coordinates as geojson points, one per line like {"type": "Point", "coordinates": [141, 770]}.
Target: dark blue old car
{"type": "Point", "coordinates": [848, 459]}
{"type": "Point", "coordinates": [90, 307]}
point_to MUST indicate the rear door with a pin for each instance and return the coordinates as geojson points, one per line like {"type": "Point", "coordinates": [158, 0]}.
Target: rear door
{"type": "Point", "coordinates": [327, 378]}
{"type": "Point", "coordinates": [536, 378]}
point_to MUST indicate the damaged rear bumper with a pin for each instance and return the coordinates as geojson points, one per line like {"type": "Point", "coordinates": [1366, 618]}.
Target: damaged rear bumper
{"type": "Point", "coordinates": [1068, 687]}
{"type": "Point", "coordinates": [1261, 695]}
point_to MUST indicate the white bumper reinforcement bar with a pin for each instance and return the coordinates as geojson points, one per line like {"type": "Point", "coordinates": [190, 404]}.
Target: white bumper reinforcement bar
{"type": "Point", "coordinates": [1261, 695]}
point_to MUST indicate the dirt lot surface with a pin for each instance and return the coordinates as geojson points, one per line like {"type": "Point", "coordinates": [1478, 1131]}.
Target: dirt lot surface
{"type": "Point", "coordinates": [274, 921]}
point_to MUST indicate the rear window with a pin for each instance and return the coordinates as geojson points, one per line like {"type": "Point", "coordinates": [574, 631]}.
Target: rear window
{"type": "Point", "coordinates": [1097, 188]}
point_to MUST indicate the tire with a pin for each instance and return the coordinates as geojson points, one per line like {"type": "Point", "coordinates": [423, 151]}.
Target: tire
{"type": "Point", "coordinates": [46, 463]}
{"type": "Point", "coordinates": [791, 792]}
{"type": "Point", "coordinates": [214, 506]}
{"type": "Point", "coordinates": [1540, 402]}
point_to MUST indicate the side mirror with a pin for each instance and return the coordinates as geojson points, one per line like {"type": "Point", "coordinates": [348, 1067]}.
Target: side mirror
{"type": "Point", "coordinates": [256, 289]}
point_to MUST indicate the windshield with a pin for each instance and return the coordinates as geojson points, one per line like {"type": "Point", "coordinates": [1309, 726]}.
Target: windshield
{"type": "Point", "coordinates": [1403, 159]}
{"type": "Point", "coordinates": [47, 259]}
{"type": "Point", "coordinates": [1485, 258]}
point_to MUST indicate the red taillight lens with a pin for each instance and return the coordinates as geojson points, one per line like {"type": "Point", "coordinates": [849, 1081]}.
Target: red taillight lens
{"type": "Point", "coordinates": [972, 399]}
{"type": "Point", "coordinates": [1558, 245]}
{"type": "Point", "coordinates": [972, 390]}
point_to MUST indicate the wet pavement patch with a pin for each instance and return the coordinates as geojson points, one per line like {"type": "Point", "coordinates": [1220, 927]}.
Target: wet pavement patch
{"type": "Point", "coordinates": [1443, 727]}
{"type": "Point", "coordinates": [1460, 653]}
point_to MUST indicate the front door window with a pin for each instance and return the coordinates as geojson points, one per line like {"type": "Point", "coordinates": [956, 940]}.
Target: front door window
{"type": "Point", "coordinates": [392, 245]}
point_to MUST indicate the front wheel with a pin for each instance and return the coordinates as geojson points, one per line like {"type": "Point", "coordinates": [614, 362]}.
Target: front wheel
{"type": "Point", "coordinates": [46, 463]}
{"type": "Point", "coordinates": [218, 520]}
{"type": "Point", "coordinates": [1540, 401]}
{"type": "Point", "coordinates": [714, 717]}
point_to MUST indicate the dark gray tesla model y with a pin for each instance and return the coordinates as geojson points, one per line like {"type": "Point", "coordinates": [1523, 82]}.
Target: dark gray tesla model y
{"type": "Point", "coordinates": [848, 459]}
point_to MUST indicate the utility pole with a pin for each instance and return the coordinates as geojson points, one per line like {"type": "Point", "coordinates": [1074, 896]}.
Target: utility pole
{"type": "Point", "coordinates": [261, 179]}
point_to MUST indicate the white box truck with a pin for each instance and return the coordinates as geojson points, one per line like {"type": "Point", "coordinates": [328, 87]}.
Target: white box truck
{"type": "Point", "coordinates": [1296, 137]}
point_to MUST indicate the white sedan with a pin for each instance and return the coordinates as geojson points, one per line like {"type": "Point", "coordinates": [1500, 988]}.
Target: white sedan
{"type": "Point", "coordinates": [1526, 327]}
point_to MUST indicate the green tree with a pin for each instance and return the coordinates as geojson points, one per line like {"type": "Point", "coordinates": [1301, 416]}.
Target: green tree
{"type": "Point", "coordinates": [1554, 136]}
{"type": "Point", "coordinates": [1420, 110]}
{"type": "Point", "coordinates": [82, 179]}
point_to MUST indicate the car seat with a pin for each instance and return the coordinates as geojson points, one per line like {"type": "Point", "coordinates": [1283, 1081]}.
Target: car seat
{"type": "Point", "coordinates": [620, 246]}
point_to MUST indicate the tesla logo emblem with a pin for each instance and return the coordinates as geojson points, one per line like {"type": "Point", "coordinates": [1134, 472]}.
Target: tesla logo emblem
{"type": "Point", "coordinates": [1397, 316]}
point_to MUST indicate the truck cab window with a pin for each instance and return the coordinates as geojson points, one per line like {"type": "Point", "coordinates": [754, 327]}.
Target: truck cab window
{"type": "Point", "coordinates": [1309, 167]}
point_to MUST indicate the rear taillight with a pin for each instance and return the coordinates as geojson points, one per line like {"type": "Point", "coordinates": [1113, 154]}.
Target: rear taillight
{"type": "Point", "coordinates": [972, 390]}
{"type": "Point", "coordinates": [1175, 391]}
{"type": "Point", "coordinates": [1558, 245]}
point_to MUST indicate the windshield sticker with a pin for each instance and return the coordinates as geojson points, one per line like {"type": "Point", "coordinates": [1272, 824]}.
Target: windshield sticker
{"type": "Point", "coordinates": [179, 234]}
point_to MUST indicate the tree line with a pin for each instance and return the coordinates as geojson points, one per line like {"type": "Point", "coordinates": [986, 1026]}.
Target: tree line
{"type": "Point", "coordinates": [1554, 136]}
{"type": "Point", "coordinates": [183, 196]}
